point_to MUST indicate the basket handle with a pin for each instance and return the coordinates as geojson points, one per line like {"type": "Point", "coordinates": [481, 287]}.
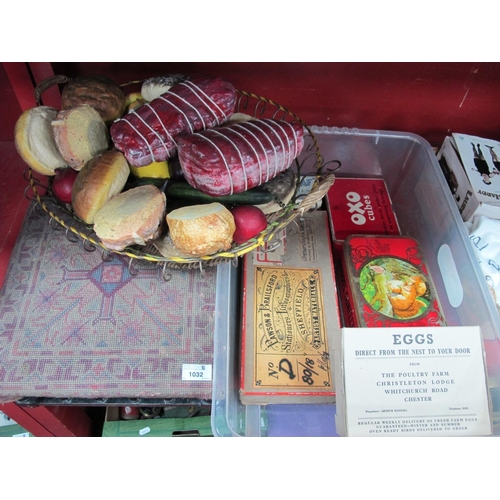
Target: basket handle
{"type": "Point", "coordinates": [316, 194]}
{"type": "Point", "coordinates": [46, 84]}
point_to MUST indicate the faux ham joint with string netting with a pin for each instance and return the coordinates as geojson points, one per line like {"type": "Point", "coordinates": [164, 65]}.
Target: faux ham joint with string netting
{"type": "Point", "coordinates": [149, 133]}
{"type": "Point", "coordinates": [240, 156]}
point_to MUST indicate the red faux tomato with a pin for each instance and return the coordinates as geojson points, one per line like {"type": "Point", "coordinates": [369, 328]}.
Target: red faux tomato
{"type": "Point", "coordinates": [249, 221]}
{"type": "Point", "coordinates": [62, 184]}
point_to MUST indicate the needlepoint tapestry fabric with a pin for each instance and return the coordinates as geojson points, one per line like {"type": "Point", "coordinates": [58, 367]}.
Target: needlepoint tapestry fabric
{"type": "Point", "coordinates": [74, 325]}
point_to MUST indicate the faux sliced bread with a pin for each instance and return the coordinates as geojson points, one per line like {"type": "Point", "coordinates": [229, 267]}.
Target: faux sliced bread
{"type": "Point", "coordinates": [35, 142]}
{"type": "Point", "coordinates": [97, 182]}
{"type": "Point", "coordinates": [132, 217]}
{"type": "Point", "coordinates": [80, 134]}
{"type": "Point", "coordinates": [199, 230]}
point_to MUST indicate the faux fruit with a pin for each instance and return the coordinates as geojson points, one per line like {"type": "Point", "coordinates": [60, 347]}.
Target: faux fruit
{"type": "Point", "coordinates": [156, 169]}
{"type": "Point", "coordinates": [133, 100]}
{"type": "Point", "coordinates": [249, 220]}
{"type": "Point", "coordinates": [62, 184]}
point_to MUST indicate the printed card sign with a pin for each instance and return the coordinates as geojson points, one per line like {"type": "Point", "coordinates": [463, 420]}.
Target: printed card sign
{"type": "Point", "coordinates": [414, 382]}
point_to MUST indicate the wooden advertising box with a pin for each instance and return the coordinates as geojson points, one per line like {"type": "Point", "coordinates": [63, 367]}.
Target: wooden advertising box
{"type": "Point", "coordinates": [290, 317]}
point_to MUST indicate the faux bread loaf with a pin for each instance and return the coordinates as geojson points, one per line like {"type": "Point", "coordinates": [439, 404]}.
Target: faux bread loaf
{"type": "Point", "coordinates": [80, 134]}
{"type": "Point", "coordinates": [97, 182]}
{"type": "Point", "coordinates": [237, 157]}
{"type": "Point", "coordinates": [132, 217]}
{"type": "Point", "coordinates": [35, 142]}
{"type": "Point", "coordinates": [99, 92]}
{"type": "Point", "coordinates": [199, 230]}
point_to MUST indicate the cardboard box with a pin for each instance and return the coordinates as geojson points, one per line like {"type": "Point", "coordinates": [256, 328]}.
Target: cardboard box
{"type": "Point", "coordinates": [9, 428]}
{"type": "Point", "coordinates": [155, 427]}
{"type": "Point", "coordinates": [471, 168]}
{"type": "Point", "coordinates": [14, 431]}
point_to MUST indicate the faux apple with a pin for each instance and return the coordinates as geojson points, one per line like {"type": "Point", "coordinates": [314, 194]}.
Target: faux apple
{"type": "Point", "coordinates": [249, 221]}
{"type": "Point", "coordinates": [62, 184]}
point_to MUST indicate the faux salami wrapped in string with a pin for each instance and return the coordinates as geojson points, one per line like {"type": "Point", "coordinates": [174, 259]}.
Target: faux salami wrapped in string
{"type": "Point", "coordinates": [237, 157]}
{"type": "Point", "coordinates": [149, 133]}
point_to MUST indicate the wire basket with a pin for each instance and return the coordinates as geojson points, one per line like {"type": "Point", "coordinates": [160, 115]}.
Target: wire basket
{"type": "Point", "coordinates": [309, 163]}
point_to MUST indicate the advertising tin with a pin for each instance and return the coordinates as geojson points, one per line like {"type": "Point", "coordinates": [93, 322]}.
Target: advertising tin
{"type": "Point", "coordinates": [388, 283]}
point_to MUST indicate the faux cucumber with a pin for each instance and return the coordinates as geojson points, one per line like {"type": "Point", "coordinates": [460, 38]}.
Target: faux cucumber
{"type": "Point", "coordinates": [183, 190]}
{"type": "Point", "coordinates": [141, 181]}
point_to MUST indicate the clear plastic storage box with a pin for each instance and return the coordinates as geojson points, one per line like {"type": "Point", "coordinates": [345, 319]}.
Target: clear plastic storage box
{"type": "Point", "coordinates": [426, 211]}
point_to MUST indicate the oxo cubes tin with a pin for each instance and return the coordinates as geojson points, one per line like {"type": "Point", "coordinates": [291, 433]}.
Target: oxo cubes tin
{"type": "Point", "coordinates": [360, 206]}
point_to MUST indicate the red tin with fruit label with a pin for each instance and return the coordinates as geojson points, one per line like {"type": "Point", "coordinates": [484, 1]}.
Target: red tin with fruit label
{"type": "Point", "coordinates": [388, 283]}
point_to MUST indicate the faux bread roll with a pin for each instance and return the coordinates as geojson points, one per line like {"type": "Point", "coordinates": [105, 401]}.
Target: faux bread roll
{"type": "Point", "coordinates": [35, 142]}
{"type": "Point", "coordinates": [199, 230]}
{"type": "Point", "coordinates": [99, 92]}
{"type": "Point", "coordinates": [97, 182]}
{"type": "Point", "coordinates": [80, 134]}
{"type": "Point", "coordinates": [132, 217]}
